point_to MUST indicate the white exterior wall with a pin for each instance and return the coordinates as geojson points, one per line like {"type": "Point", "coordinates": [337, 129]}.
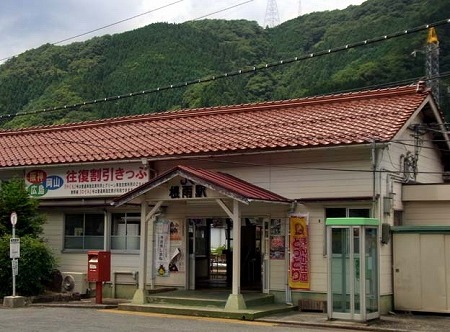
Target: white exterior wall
{"type": "Point", "coordinates": [389, 183]}
{"type": "Point", "coordinates": [320, 173]}
{"type": "Point", "coordinates": [309, 174]}
{"type": "Point", "coordinates": [426, 205]}
{"type": "Point", "coordinates": [76, 261]}
{"type": "Point", "coordinates": [325, 174]}
{"type": "Point", "coordinates": [427, 213]}
{"type": "Point", "coordinates": [392, 175]}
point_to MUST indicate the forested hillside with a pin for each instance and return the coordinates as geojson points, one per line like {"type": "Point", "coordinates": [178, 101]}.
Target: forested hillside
{"type": "Point", "coordinates": [162, 54]}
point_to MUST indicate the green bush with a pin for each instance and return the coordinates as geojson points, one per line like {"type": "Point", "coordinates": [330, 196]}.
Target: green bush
{"type": "Point", "coordinates": [36, 264]}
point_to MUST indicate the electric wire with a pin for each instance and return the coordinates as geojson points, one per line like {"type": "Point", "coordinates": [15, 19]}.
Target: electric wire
{"type": "Point", "coordinates": [247, 70]}
{"type": "Point", "coordinates": [90, 143]}
{"type": "Point", "coordinates": [115, 23]}
{"type": "Point", "coordinates": [222, 10]}
{"type": "Point", "coordinates": [104, 27]}
{"type": "Point", "coordinates": [131, 18]}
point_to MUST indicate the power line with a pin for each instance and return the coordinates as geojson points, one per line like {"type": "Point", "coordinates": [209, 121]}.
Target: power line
{"type": "Point", "coordinates": [118, 22]}
{"type": "Point", "coordinates": [396, 83]}
{"type": "Point", "coordinates": [106, 26]}
{"type": "Point", "coordinates": [136, 16]}
{"type": "Point", "coordinates": [251, 69]}
{"type": "Point", "coordinates": [222, 10]}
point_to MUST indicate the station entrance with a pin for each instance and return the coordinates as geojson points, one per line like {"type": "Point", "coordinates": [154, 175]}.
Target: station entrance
{"type": "Point", "coordinates": [211, 253]}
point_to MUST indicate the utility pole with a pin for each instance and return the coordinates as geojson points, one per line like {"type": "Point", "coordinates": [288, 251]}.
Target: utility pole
{"type": "Point", "coordinates": [432, 63]}
{"type": "Point", "coordinates": [272, 17]}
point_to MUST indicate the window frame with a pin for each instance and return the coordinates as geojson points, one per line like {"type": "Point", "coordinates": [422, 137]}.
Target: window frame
{"type": "Point", "coordinates": [347, 215]}
{"type": "Point", "coordinates": [85, 238]}
{"type": "Point", "coordinates": [127, 216]}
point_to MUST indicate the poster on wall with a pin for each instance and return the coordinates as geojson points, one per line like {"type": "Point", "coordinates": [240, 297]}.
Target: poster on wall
{"type": "Point", "coordinates": [276, 227]}
{"type": "Point", "coordinates": [176, 263]}
{"type": "Point", "coordinates": [175, 230]}
{"type": "Point", "coordinates": [299, 265]}
{"type": "Point", "coordinates": [277, 247]}
{"type": "Point", "coordinates": [162, 248]}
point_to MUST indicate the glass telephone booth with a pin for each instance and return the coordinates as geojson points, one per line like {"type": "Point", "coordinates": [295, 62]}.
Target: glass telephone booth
{"type": "Point", "coordinates": [353, 268]}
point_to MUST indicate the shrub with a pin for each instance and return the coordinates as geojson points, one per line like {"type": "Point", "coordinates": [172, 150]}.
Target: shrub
{"type": "Point", "coordinates": [36, 264]}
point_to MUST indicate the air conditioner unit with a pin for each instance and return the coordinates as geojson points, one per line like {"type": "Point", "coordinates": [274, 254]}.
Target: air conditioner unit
{"type": "Point", "coordinates": [74, 282]}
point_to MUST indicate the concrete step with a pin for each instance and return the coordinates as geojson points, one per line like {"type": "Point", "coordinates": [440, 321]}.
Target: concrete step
{"type": "Point", "coordinates": [208, 298]}
{"type": "Point", "coordinates": [186, 301]}
{"type": "Point", "coordinates": [251, 313]}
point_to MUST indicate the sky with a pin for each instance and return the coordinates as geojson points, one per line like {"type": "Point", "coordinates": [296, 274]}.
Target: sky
{"type": "Point", "coordinates": [27, 24]}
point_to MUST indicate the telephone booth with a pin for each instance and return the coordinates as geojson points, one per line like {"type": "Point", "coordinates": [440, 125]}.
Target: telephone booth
{"type": "Point", "coordinates": [353, 268]}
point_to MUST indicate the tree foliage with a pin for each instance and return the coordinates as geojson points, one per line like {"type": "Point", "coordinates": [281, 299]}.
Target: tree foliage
{"type": "Point", "coordinates": [163, 54]}
{"type": "Point", "coordinates": [36, 261]}
{"type": "Point", "coordinates": [14, 197]}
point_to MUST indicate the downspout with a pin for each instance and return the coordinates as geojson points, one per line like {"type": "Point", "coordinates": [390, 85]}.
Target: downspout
{"type": "Point", "coordinates": [374, 169]}
{"type": "Point", "coordinates": [288, 289]}
{"type": "Point", "coordinates": [287, 260]}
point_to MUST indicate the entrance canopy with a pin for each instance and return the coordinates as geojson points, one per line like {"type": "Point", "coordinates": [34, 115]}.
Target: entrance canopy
{"type": "Point", "coordinates": [222, 183]}
{"type": "Point", "coordinates": [184, 183]}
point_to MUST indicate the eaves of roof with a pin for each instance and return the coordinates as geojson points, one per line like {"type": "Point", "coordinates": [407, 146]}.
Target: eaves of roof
{"type": "Point", "coordinates": [223, 183]}
{"type": "Point", "coordinates": [334, 120]}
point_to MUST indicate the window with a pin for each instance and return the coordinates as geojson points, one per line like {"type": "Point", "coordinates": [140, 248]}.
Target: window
{"type": "Point", "coordinates": [342, 213]}
{"type": "Point", "coordinates": [347, 212]}
{"type": "Point", "coordinates": [125, 231]}
{"type": "Point", "coordinates": [84, 231]}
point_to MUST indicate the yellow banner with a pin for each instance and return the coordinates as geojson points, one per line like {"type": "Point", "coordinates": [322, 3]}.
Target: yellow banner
{"type": "Point", "coordinates": [299, 276]}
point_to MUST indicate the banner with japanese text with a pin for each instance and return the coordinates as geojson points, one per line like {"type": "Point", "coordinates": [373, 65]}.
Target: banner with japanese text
{"type": "Point", "coordinates": [85, 181]}
{"type": "Point", "coordinates": [162, 247]}
{"type": "Point", "coordinates": [299, 267]}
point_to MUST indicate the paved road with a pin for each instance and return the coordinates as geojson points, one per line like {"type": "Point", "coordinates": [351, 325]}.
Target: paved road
{"type": "Point", "coordinates": [78, 319]}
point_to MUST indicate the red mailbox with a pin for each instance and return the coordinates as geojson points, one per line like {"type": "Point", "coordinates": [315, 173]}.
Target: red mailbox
{"type": "Point", "coordinates": [99, 266]}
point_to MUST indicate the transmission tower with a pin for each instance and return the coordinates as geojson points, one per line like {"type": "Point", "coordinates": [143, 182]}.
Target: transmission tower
{"type": "Point", "coordinates": [300, 11]}
{"type": "Point", "coordinates": [432, 63]}
{"type": "Point", "coordinates": [272, 18]}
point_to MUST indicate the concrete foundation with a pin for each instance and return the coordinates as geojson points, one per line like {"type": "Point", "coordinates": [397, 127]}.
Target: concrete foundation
{"type": "Point", "coordinates": [140, 296]}
{"type": "Point", "coordinates": [235, 302]}
{"type": "Point", "coordinates": [14, 301]}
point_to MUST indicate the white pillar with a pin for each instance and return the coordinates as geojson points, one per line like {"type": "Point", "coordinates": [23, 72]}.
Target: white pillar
{"type": "Point", "coordinates": [236, 300]}
{"type": "Point", "coordinates": [140, 296]}
{"type": "Point", "coordinates": [236, 285]}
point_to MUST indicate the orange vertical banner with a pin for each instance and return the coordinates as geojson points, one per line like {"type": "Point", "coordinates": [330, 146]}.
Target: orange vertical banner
{"type": "Point", "coordinates": [299, 274]}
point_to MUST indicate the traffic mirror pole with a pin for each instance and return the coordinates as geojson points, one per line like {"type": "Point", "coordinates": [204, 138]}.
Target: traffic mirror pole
{"type": "Point", "coordinates": [14, 251]}
{"type": "Point", "coordinates": [14, 264]}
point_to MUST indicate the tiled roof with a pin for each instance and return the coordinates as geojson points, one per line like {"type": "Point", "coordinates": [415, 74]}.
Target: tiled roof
{"type": "Point", "coordinates": [224, 183]}
{"type": "Point", "coordinates": [332, 120]}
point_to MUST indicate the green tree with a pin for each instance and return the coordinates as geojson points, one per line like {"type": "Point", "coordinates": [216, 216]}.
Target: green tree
{"type": "Point", "coordinates": [36, 262]}
{"type": "Point", "coordinates": [14, 197]}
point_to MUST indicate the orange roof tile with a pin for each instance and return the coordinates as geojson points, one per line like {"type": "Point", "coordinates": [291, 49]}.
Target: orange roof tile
{"type": "Point", "coordinates": [349, 118]}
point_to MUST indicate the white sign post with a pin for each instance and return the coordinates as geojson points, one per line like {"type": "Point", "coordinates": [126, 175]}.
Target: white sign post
{"type": "Point", "coordinates": [14, 251]}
